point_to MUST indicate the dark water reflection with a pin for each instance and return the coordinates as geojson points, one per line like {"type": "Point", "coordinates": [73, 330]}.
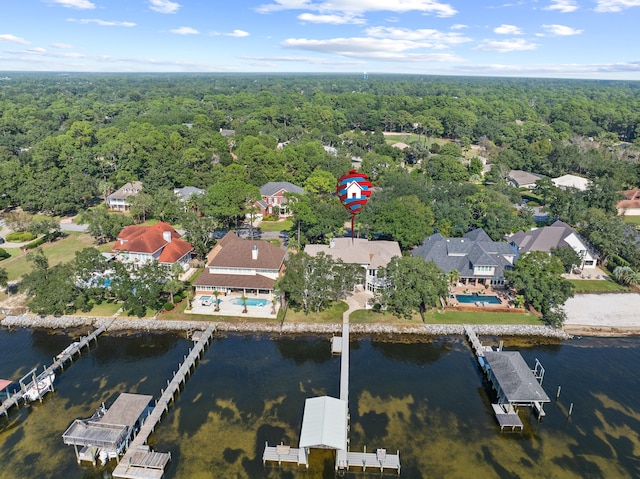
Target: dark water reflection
{"type": "Point", "coordinates": [424, 397]}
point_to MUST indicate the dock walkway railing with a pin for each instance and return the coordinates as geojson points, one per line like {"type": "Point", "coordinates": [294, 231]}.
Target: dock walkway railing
{"type": "Point", "coordinates": [134, 464]}
{"type": "Point", "coordinates": [59, 361]}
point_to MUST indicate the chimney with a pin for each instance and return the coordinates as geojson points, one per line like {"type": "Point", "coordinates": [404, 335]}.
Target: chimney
{"type": "Point", "coordinates": [254, 252]}
{"type": "Point", "coordinates": [167, 236]}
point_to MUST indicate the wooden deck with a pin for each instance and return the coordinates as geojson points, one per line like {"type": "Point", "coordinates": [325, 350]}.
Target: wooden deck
{"type": "Point", "coordinates": [137, 461]}
{"type": "Point", "coordinates": [378, 460]}
{"type": "Point", "coordinates": [507, 419]}
{"type": "Point", "coordinates": [285, 454]}
{"type": "Point", "coordinates": [58, 364]}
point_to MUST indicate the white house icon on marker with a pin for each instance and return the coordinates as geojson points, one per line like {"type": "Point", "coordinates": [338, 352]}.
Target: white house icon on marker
{"type": "Point", "coordinates": [354, 190]}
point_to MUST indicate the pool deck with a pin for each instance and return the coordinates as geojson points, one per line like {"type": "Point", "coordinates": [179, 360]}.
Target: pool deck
{"type": "Point", "coordinates": [227, 308]}
{"type": "Point", "coordinates": [502, 294]}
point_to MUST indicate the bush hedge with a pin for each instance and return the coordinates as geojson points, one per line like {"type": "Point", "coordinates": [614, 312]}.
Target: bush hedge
{"type": "Point", "coordinates": [3, 254]}
{"type": "Point", "coordinates": [168, 306]}
{"type": "Point", "coordinates": [20, 236]}
{"type": "Point", "coordinates": [36, 243]}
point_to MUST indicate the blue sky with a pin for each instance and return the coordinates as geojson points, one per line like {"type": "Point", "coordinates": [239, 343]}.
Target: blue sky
{"type": "Point", "coordinates": [545, 38]}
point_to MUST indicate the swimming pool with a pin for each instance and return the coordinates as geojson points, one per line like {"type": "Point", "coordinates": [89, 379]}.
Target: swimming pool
{"type": "Point", "coordinates": [250, 301]}
{"type": "Point", "coordinates": [475, 297]}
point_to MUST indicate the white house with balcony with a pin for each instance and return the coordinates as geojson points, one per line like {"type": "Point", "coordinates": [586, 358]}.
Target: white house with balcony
{"type": "Point", "coordinates": [554, 236]}
{"type": "Point", "coordinates": [119, 200]}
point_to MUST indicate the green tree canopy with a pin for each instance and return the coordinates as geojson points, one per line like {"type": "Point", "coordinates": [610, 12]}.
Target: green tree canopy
{"type": "Point", "coordinates": [412, 285]}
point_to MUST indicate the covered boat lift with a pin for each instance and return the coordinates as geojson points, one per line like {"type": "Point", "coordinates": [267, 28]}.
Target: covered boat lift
{"type": "Point", "coordinates": [108, 431]}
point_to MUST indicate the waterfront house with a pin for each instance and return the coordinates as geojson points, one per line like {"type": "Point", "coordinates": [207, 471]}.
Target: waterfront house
{"type": "Point", "coordinates": [554, 236]}
{"type": "Point", "coordinates": [476, 257]}
{"type": "Point", "coordinates": [241, 265]}
{"type": "Point", "coordinates": [119, 200]}
{"type": "Point", "coordinates": [371, 255]}
{"type": "Point", "coordinates": [137, 245]}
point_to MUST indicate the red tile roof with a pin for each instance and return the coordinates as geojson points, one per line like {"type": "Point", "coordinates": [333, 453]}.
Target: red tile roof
{"type": "Point", "coordinates": [150, 239]}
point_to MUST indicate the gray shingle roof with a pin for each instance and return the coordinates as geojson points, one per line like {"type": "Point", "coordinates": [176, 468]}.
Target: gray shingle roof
{"type": "Point", "coordinates": [271, 188]}
{"type": "Point", "coordinates": [462, 254]}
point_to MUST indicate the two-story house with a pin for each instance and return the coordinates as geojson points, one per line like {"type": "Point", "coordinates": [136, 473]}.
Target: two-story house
{"type": "Point", "coordinates": [554, 236]}
{"type": "Point", "coordinates": [273, 200]}
{"type": "Point", "coordinates": [138, 245]}
{"type": "Point", "coordinates": [242, 266]}
{"type": "Point", "coordinates": [476, 257]}
{"type": "Point", "coordinates": [119, 199]}
{"type": "Point", "coordinates": [371, 255]}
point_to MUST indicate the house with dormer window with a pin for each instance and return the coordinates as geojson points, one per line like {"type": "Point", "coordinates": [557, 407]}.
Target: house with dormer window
{"type": "Point", "coordinates": [237, 265]}
{"type": "Point", "coordinates": [138, 244]}
{"type": "Point", "coordinates": [274, 201]}
{"type": "Point", "coordinates": [120, 200]}
{"type": "Point", "coordinates": [477, 258]}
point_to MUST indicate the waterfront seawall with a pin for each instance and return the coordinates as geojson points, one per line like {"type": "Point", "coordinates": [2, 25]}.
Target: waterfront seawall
{"type": "Point", "coordinates": [151, 325]}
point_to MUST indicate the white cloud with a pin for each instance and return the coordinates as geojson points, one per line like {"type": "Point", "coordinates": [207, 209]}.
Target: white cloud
{"type": "Point", "coordinates": [615, 5]}
{"type": "Point", "coordinates": [102, 23]}
{"type": "Point", "coordinates": [333, 19]}
{"type": "Point", "coordinates": [362, 6]}
{"type": "Point", "coordinates": [312, 60]}
{"type": "Point", "coordinates": [563, 6]}
{"type": "Point", "coordinates": [235, 33]}
{"type": "Point", "coordinates": [429, 37]}
{"type": "Point", "coordinates": [8, 37]}
{"type": "Point", "coordinates": [459, 26]}
{"type": "Point", "coordinates": [61, 45]}
{"type": "Point", "coordinates": [503, 46]}
{"type": "Point", "coordinates": [507, 30]}
{"type": "Point", "coordinates": [383, 49]}
{"type": "Point", "coordinates": [185, 31]}
{"type": "Point", "coordinates": [561, 30]}
{"type": "Point", "coordinates": [81, 4]}
{"type": "Point", "coordinates": [164, 6]}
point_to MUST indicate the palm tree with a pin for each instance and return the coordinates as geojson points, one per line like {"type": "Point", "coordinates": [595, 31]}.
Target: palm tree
{"type": "Point", "coordinates": [453, 277]}
{"type": "Point", "coordinates": [216, 293]}
{"type": "Point", "coordinates": [244, 303]}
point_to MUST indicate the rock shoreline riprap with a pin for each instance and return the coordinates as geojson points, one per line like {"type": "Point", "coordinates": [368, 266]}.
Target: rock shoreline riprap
{"type": "Point", "coordinates": [132, 324]}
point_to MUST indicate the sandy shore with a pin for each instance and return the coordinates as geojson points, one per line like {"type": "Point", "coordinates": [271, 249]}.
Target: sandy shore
{"type": "Point", "coordinates": [603, 314]}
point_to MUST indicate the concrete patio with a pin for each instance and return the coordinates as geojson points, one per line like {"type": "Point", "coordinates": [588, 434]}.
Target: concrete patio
{"type": "Point", "coordinates": [227, 306]}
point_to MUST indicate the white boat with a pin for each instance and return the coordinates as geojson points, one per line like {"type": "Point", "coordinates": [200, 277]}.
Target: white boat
{"type": "Point", "coordinates": [38, 389]}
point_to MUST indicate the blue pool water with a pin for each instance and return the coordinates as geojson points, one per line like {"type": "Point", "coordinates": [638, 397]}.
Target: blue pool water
{"type": "Point", "coordinates": [250, 301]}
{"type": "Point", "coordinates": [475, 297]}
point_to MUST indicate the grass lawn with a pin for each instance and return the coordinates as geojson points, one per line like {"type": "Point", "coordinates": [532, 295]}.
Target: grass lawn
{"type": "Point", "coordinates": [60, 251]}
{"type": "Point", "coordinates": [284, 225]}
{"type": "Point", "coordinates": [632, 220]}
{"type": "Point", "coordinates": [583, 286]}
{"type": "Point", "coordinates": [328, 316]}
{"type": "Point", "coordinates": [447, 317]}
{"type": "Point", "coordinates": [104, 309]}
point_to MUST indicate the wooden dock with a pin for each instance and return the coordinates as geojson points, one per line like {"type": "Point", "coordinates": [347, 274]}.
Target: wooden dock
{"type": "Point", "coordinates": [139, 462]}
{"type": "Point", "coordinates": [514, 382]}
{"type": "Point", "coordinates": [58, 364]}
{"type": "Point", "coordinates": [282, 453]}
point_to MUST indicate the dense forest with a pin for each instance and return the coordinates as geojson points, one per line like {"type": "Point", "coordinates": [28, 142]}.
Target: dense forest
{"type": "Point", "coordinates": [67, 140]}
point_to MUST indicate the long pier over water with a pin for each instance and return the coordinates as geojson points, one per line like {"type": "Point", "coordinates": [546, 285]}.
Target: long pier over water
{"type": "Point", "coordinates": [139, 462]}
{"type": "Point", "coordinates": [58, 364]}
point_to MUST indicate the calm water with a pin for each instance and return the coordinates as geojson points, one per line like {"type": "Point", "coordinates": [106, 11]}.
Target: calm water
{"type": "Point", "coordinates": [425, 398]}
